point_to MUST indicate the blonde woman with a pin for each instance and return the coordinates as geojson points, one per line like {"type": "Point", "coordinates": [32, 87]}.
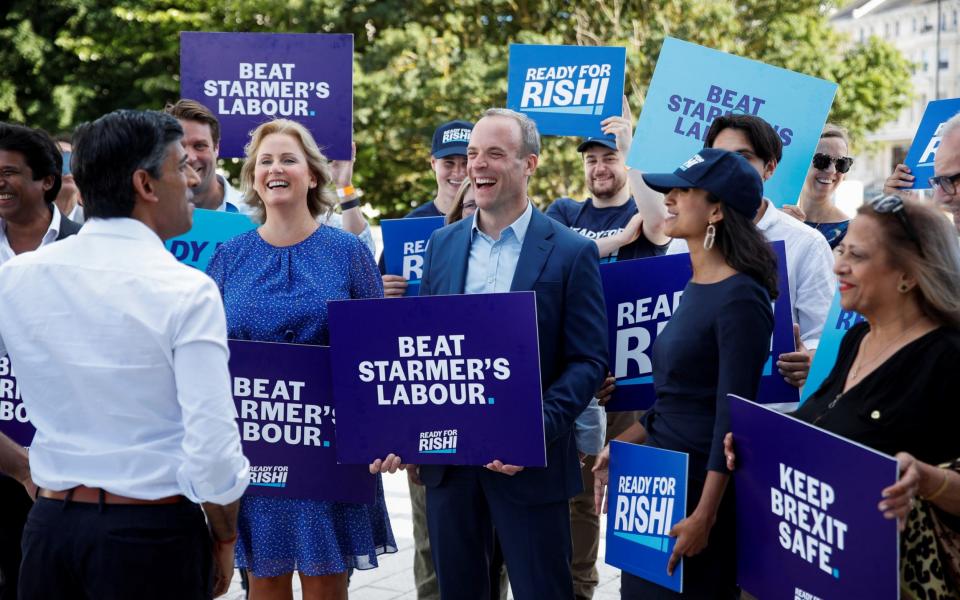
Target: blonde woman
{"type": "Point", "coordinates": [276, 281]}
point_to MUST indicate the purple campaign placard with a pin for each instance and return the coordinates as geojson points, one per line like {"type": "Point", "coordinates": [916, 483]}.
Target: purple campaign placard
{"type": "Point", "coordinates": [438, 379]}
{"type": "Point", "coordinates": [641, 296]}
{"type": "Point", "coordinates": [807, 518]}
{"type": "Point", "coordinates": [249, 78]}
{"type": "Point", "coordinates": [13, 414]}
{"type": "Point", "coordinates": [287, 421]}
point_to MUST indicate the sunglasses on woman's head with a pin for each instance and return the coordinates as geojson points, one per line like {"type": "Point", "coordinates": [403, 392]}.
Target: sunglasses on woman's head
{"type": "Point", "coordinates": [822, 161]}
{"type": "Point", "coordinates": [886, 205]}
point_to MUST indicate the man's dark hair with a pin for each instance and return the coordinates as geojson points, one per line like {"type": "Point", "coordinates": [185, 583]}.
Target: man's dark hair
{"type": "Point", "coordinates": [191, 110]}
{"type": "Point", "coordinates": [109, 150]}
{"type": "Point", "coordinates": [767, 145]}
{"type": "Point", "coordinates": [39, 151]}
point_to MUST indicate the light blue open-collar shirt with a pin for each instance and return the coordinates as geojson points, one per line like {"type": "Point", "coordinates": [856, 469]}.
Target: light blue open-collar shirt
{"type": "Point", "coordinates": [492, 263]}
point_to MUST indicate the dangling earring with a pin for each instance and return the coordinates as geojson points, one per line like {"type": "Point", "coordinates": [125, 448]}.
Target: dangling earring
{"type": "Point", "coordinates": [711, 234]}
{"type": "Point", "coordinates": [903, 287]}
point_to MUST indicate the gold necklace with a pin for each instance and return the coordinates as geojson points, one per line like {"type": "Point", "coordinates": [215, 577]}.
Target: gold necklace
{"type": "Point", "coordinates": [861, 364]}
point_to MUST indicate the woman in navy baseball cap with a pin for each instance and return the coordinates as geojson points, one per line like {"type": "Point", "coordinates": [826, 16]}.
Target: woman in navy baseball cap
{"type": "Point", "coordinates": [715, 344]}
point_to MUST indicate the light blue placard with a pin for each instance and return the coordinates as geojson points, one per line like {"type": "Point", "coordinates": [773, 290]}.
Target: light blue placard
{"type": "Point", "coordinates": [647, 496]}
{"type": "Point", "coordinates": [567, 90]}
{"type": "Point", "coordinates": [839, 321]}
{"type": "Point", "coordinates": [924, 147]}
{"type": "Point", "coordinates": [693, 85]}
{"type": "Point", "coordinates": [404, 244]}
{"type": "Point", "coordinates": [210, 229]}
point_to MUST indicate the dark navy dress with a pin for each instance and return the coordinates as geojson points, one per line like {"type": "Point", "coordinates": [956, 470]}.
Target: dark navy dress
{"type": "Point", "coordinates": [715, 344]}
{"type": "Point", "coordinates": [276, 294]}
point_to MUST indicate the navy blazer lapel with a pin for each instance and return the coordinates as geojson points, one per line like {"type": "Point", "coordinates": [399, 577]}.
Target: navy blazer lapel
{"type": "Point", "coordinates": [459, 256]}
{"type": "Point", "coordinates": [534, 252]}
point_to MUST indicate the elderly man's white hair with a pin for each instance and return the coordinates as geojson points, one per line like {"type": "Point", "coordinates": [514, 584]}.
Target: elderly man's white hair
{"type": "Point", "coordinates": [951, 124]}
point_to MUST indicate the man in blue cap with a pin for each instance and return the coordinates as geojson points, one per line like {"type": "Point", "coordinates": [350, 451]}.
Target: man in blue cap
{"type": "Point", "coordinates": [624, 218]}
{"type": "Point", "coordinates": [448, 159]}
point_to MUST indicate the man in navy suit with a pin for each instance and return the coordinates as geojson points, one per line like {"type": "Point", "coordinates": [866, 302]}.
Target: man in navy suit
{"type": "Point", "coordinates": [511, 246]}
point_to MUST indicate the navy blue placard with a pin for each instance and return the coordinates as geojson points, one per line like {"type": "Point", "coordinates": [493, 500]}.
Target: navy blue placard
{"type": "Point", "coordinates": [14, 422]}
{"type": "Point", "coordinates": [287, 421]}
{"type": "Point", "coordinates": [641, 296]}
{"type": "Point", "coordinates": [246, 79]}
{"type": "Point", "coordinates": [807, 518]}
{"type": "Point", "coordinates": [647, 496]}
{"type": "Point", "coordinates": [438, 379]}
{"type": "Point", "coordinates": [567, 90]}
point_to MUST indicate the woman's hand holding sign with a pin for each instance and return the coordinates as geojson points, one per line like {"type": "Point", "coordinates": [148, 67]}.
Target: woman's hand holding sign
{"type": "Point", "coordinates": [390, 464]}
{"type": "Point", "coordinates": [499, 467]}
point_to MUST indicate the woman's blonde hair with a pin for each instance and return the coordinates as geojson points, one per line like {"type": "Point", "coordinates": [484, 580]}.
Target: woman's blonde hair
{"type": "Point", "coordinates": [456, 213]}
{"type": "Point", "coordinates": [933, 259]}
{"type": "Point", "coordinates": [320, 199]}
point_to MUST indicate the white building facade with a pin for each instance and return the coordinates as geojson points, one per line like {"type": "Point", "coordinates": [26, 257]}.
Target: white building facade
{"type": "Point", "coordinates": [911, 26]}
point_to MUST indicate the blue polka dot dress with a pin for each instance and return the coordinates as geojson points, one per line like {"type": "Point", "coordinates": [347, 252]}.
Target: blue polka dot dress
{"type": "Point", "coordinates": [276, 294]}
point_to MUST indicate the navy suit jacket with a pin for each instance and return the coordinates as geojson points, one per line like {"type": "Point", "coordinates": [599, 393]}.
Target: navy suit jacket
{"type": "Point", "coordinates": [561, 267]}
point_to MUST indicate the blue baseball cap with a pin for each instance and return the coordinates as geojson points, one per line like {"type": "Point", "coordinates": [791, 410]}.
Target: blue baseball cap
{"type": "Point", "coordinates": [602, 141]}
{"type": "Point", "coordinates": [726, 175]}
{"type": "Point", "coordinates": [451, 138]}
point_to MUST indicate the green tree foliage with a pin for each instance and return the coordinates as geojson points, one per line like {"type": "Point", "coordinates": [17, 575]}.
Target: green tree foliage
{"type": "Point", "coordinates": [420, 63]}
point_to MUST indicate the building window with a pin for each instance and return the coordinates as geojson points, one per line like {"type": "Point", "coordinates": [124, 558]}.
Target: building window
{"type": "Point", "coordinates": [896, 29]}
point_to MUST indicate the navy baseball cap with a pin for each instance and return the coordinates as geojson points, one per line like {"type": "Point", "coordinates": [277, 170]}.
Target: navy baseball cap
{"type": "Point", "coordinates": [602, 141]}
{"type": "Point", "coordinates": [726, 175]}
{"type": "Point", "coordinates": [451, 138]}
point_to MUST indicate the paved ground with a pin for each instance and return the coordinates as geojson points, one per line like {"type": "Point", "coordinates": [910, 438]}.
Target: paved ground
{"type": "Point", "coordinates": [393, 580]}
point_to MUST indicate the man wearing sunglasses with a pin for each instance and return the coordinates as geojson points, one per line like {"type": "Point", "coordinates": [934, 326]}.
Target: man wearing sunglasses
{"type": "Point", "coordinates": [946, 168]}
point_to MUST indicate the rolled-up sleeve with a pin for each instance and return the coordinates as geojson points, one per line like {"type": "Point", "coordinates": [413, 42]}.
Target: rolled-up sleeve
{"type": "Point", "coordinates": [214, 468]}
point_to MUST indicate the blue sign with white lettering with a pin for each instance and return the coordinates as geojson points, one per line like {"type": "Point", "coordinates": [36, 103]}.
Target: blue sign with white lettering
{"type": "Point", "coordinates": [924, 147]}
{"type": "Point", "coordinates": [641, 296]}
{"type": "Point", "coordinates": [839, 321]}
{"type": "Point", "coordinates": [404, 244]}
{"type": "Point", "coordinates": [646, 497]}
{"type": "Point", "coordinates": [693, 85]}
{"type": "Point", "coordinates": [567, 90]}
{"type": "Point", "coordinates": [247, 79]}
{"type": "Point", "coordinates": [808, 526]}
{"type": "Point", "coordinates": [210, 229]}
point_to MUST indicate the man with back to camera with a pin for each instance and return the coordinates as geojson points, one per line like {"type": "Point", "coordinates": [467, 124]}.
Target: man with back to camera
{"type": "Point", "coordinates": [809, 258]}
{"type": "Point", "coordinates": [448, 161]}
{"type": "Point", "coordinates": [510, 246]}
{"type": "Point", "coordinates": [121, 356]}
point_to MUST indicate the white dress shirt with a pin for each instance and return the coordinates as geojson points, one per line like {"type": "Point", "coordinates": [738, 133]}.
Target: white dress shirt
{"type": "Point", "coordinates": [53, 230]}
{"type": "Point", "coordinates": [809, 269]}
{"type": "Point", "coordinates": [121, 358]}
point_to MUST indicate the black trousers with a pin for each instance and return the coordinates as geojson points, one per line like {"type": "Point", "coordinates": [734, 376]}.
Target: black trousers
{"type": "Point", "coordinates": [89, 551]}
{"type": "Point", "coordinates": [13, 516]}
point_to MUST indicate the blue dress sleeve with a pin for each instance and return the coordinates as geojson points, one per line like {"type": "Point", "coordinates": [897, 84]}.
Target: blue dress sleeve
{"type": "Point", "coordinates": [216, 268]}
{"type": "Point", "coordinates": [365, 280]}
{"type": "Point", "coordinates": [742, 330]}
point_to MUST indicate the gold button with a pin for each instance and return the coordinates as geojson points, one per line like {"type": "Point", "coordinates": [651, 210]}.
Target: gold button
{"type": "Point", "coordinates": [875, 414]}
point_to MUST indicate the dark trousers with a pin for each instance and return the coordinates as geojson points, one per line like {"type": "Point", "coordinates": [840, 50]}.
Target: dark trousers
{"type": "Point", "coordinates": [461, 515]}
{"type": "Point", "coordinates": [87, 551]}
{"type": "Point", "coordinates": [13, 516]}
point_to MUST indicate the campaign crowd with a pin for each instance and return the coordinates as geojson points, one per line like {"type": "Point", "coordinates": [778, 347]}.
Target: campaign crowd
{"type": "Point", "coordinates": [134, 485]}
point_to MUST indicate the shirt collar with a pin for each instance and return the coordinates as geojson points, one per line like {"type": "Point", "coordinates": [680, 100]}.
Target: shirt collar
{"type": "Point", "coordinates": [769, 217]}
{"type": "Point", "coordinates": [121, 227]}
{"type": "Point", "coordinates": [53, 230]}
{"type": "Point", "coordinates": [518, 227]}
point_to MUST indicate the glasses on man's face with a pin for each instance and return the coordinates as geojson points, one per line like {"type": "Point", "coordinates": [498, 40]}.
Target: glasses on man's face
{"type": "Point", "coordinates": [822, 162]}
{"type": "Point", "coordinates": [65, 170]}
{"type": "Point", "coordinates": [886, 205]}
{"type": "Point", "coordinates": [947, 183]}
